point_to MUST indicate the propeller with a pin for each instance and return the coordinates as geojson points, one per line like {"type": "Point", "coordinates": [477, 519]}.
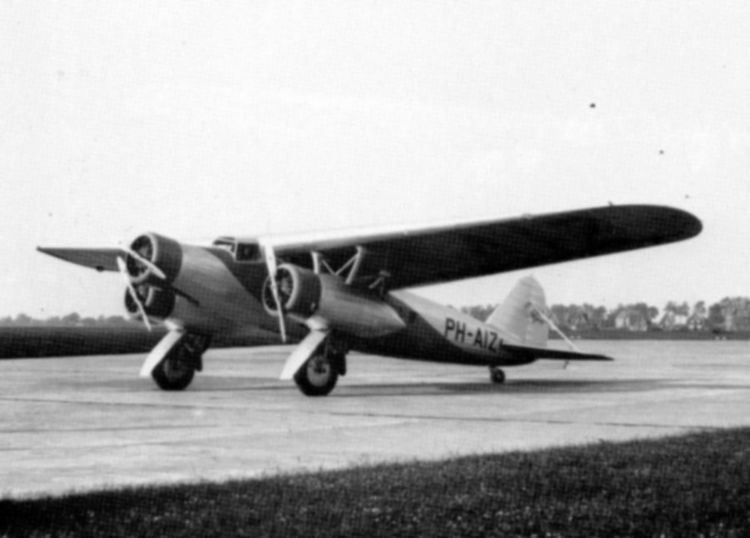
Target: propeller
{"type": "Point", "coordinates": [148, 263]}
{"type": "Point", "coordinates": [133, 293]}
{"type": "Point", "coordinates": [270, 256]}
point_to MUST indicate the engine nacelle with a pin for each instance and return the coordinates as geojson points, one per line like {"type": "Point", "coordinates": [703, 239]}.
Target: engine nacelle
{"type": "Point", "coordinates": [304, 294]}
{"type": "Point", "coordinates": [157, 302]}
{"type": "Point", "coordinates": [163, 252]}
{"type": "Point", "coordinates": [167, 297]}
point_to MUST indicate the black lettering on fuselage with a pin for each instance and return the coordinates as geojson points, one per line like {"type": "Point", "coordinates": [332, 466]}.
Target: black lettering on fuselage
{"type": "Point", "coordinates": [478, 338]}
{"type": "Point", "coordinates": [460, 331]}
{"type": "Point", "coordinates": [493, 339]}
{"type": "Point", "coordinates": [450, 325]}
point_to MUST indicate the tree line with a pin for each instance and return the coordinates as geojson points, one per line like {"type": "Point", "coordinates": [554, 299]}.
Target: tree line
{"type": "Point", "coordinates": [70, 320]}
{"type": "Point", "coordinates": [727, 315]}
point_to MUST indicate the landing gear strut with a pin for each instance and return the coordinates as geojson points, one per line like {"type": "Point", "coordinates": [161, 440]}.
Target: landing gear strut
{"type": "Point", "coordinates": [497, 376]}
{"type": "Point", "coordinates": [178, 368]}
{"type": "Point", "coordinates": [319, 374]}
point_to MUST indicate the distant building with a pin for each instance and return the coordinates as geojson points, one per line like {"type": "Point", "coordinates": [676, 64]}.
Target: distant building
{"type": "Point", "coordinates": [672, 321]}
{"type": "Point", "coordinates": [631, 320]}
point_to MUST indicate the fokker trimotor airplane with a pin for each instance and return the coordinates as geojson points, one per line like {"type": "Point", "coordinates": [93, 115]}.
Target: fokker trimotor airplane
{"type": "Point", "coordinates": [338, 292]}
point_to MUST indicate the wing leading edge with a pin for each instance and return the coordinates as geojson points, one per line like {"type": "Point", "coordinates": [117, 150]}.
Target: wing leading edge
{"type": "Point", "coordinates": [430, 255]}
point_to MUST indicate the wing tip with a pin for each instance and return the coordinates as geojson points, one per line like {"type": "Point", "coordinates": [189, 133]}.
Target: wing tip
{"type": "Point", "coordinates": [50, 251]}
{"type": "Point", "coordinates": [677, 224]}
{"type": "Point", "coordinates": [102, 259]}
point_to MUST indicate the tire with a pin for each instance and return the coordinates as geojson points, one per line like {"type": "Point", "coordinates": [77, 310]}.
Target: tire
{"type": "Point", "coordinates": [497, 376]}
{"type": "Point", "coordinates": [318, 376]}
{"type": "Point", "coordinates": [173, 374]}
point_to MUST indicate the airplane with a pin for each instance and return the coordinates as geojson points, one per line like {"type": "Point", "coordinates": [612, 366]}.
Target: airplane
{"type": "Point", "coordinates": [343, 291]}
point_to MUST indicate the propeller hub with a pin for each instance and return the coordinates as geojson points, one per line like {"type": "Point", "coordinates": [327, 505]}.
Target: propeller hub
{"type": "Point", "coordinates": [145, 247]}
{"type": "Point", "coordinates": [153, 259]}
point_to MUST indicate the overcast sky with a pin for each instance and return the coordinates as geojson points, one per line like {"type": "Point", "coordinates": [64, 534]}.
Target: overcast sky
{"type": "Point", "coordinates": [197, 119]}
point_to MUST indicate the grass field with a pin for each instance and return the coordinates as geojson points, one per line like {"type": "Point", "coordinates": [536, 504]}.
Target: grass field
{"type": "Point", "coordinates": [695, 485]}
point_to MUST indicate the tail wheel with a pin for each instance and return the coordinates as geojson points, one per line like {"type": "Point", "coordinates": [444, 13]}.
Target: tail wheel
{"type": "Point", "coordinates": [497, 376]}
{"type": "Point", "coordinates": [318, 376]}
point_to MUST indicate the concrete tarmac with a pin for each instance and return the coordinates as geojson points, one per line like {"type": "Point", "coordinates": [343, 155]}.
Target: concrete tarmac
{"type": "Point", "coordinates": [82, 423]}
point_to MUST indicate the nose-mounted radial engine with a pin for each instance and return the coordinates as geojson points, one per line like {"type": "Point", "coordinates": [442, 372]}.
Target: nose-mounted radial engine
{"type": "Point", "coordinates": [149, 268]}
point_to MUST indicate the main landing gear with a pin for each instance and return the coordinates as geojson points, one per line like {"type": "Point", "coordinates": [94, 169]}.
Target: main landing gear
{"type": "Point", "coordinates": [177, 369]}
{"type": "Point", "coordinates": [497, 376]}
{"type": "Point", "coordinates": [319, 374]}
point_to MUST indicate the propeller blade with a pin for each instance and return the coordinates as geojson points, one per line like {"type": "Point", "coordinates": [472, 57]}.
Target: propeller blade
{"type": "Point", "coordinates": [270, 257]}
{"type": "Point", "coordinates": [133, 294]}
{"type": "Point", "coordinates": [160, 351]}
{"type": "Point", "coordinates": [148, 263]}
{"type": "Point", "coordinates": [302, 353]}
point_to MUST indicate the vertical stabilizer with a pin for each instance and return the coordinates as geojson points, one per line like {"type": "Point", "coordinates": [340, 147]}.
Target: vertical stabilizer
{"type": "Point", "coordinates": [517, 316]}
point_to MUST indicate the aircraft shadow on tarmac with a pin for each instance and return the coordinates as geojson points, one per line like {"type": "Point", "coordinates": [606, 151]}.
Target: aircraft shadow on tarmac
{"type": "Point", "coordinates": [524, 386]}
{"type": "Point", "coordinates": [363, 390]}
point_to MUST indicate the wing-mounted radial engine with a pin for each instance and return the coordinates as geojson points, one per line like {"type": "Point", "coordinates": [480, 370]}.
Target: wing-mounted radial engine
{"type": "Point", "coordinates": [333, 309]}
{"type": "Point", "coordinates": [152, 268]}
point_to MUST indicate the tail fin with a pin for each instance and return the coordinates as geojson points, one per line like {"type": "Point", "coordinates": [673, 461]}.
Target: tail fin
{"type": "Point", "coordinates": [517, 315]}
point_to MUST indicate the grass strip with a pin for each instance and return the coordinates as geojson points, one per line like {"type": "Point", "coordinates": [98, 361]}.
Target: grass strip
{"type": "Point", "coordinates": [693, 485]}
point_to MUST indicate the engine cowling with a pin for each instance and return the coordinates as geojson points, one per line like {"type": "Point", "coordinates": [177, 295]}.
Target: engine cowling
{"type": "Point", "coordinates": [157, 302]}
{"type": "Point", "coordinates": [153, 291]}
{"type": "Point", "coordinates": [163, 252]}
{"type": "Point", "coordinates": [304, 294]}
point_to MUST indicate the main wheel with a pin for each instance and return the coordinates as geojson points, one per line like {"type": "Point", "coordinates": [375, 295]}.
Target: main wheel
{"type": "Point", "coordinates": [173, 374]}
{"type": "Point", "coordinates": [317, 377]}
{"type": "Point", "coordinates": [497, 376]}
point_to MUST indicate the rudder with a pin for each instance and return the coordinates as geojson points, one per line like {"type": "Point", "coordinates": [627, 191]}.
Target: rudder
{"type": "Point", "coordinates": [517, 316]}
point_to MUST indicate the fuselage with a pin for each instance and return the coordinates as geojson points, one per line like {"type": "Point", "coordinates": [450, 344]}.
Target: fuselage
{"type": "Point", "coordinates": [219, 295]}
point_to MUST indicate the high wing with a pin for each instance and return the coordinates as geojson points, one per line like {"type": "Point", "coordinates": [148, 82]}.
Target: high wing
{"type": "Point", "coordinates": [434, 254]}
{"type": "Point", "coordinates": [421, 255]}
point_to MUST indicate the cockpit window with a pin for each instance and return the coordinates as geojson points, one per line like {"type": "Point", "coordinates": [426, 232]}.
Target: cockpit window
{"type": "Point", "coordinates": [226, 243]}
{"type": "Point", "coordinates": [246, 252]}
{"type": "Point", "coordinates": [243, 251]}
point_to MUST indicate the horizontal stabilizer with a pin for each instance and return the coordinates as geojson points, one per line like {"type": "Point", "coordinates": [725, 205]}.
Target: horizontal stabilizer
{"type": "Point", "coordinates": [545, 353]}
{"type": "Point", "coordinates": [101, 259]}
